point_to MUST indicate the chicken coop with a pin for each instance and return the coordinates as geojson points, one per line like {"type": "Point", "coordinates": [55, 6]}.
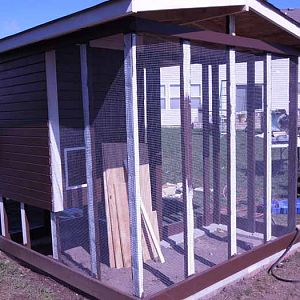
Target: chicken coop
{"type": "Point", "coordinates": [150, 149]}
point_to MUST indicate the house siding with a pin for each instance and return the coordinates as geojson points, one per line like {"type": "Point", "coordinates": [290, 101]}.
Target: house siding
{"type": "Point", "coordinates": [24, 143]}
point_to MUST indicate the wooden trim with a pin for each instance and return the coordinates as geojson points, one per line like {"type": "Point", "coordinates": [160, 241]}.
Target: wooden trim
{"type": "Point", "coordinates": [292, 149]}
{"type": "Point", "coordinates": [268, 147]}
{"type": "Point", "coordinates": [77, 280]}
{"type": "Point", "coordinates": [4, 219]}
{"type": "Point", "coordinates": [94, 251]}
{"type": "Point", "coordinates": [25, 226]}
{"type": "Point", "coordinates": [186, 152]}
{"type": "Point", "coordinates": [199, 282]}
{"type": "Point", "coordinates": [207, 214]}
{"type": "Point", "coordinates": [231, 153]}
{"type": "Point", "coordinates": [251, 160]}
{"type": "Point", "coordinates": [54, 132]}
{"type": "Point", "coordinates": [134, 195]}
{"type": "Point", "coordinates": [216, 143]}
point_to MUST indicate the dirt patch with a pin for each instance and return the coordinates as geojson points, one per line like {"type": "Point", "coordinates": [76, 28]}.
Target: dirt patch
{"type": "Point", "coordinates": [264, 286]}
{"type": "Point", "coordinates": [18, 282]}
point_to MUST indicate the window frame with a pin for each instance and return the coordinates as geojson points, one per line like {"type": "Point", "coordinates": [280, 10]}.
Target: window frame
{"type": "Point", "coordinates": [68, 186]}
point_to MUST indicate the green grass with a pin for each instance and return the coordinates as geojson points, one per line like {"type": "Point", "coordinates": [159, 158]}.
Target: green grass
{"type": "Point", "coordinates": [172, 169]}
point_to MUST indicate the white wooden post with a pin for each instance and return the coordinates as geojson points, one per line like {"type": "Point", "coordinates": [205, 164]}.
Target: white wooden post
{"type": "Point", "coordinates": [133, 162]}
{"type": "Point", "coordinates": [2, 217]}
{"type": "Point", "coordinates": [95, 264]}
{"type": "Point", "coordinates": [186, 149]}
{"type": "Point", "coordinates": [268, 147]}
{"type": "Point", "coordinates": [25, 226]}
{"type": "Point", "coordinates": [231, 152]}
{"type": "Point", "coordinates": [55, 154]}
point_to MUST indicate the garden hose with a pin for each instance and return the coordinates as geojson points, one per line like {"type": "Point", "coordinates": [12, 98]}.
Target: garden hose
{"type": "Point", "coordinates": [271, 271]}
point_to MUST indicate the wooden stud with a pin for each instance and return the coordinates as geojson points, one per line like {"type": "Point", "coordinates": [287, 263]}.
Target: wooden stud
{"type": "Point", "coordinates": [93, 221]}
{"type": "Point", "coordinates": [55, 153]}
{"type": "Point", "coordinates": [207, 216]}
{"type": "Point", "coordinates": [186, 152]}
{"type": "Point", "coordinates": [251, 160]}
{"type": "Point", "coordinates": [4, 219]}
{"type": "Point", "coordinates": [216, 143]}
{"type": "Point", "coordinates": [293, 138]}
{"type": "Point", "coordinates": [134, 195]}
{"type": "Point", "coordinates": [268, 147]}
{"type": "Point", "coordinates": [25, 226]}
{"type": "Point", "coordinates": [231, 153]}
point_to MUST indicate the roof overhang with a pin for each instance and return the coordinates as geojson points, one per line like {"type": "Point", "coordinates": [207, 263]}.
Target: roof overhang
{"type": "Point", "coordinates": [116, 9]}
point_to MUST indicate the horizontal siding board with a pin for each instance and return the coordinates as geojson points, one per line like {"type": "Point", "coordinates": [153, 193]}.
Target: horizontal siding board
{"type": "Point", "coordinates": [39, 178]}
{"type": "Point", "coordinates": [24, 123]}
{"type": "Point", "coordinates": [30, 150]}
{"type": "Point", "coordinates": [24, 132]}
{"type": "Point", "coordinates": [23, 166]}
{"type": "Point", "coordinates": [31, 159]}
{"type": "Point", "coordinates": [21, 80]}
{"type": "Point", "coordinates": [24, 115]}
{"type": "Point", "coordinates": [24, 106]}
{"type": "Point", "coordinates": [22, 62]}
{"type": "Point", "coordinates": [24, 141]}
{"type": "Point", "coordinates": [21, 190]}
{"type": "Point", "coordinates": [24, 97]}
{"type": "Point", "coordinates": [27, 141]}
{"type": "Point", "coordinates": [43, 203]}
{"type": "Point", "coordinates": [27, 70]}
{"type": "Point", "coordinates": [23, 88]}
{"type": "Point", "coordinates": [24, 183]}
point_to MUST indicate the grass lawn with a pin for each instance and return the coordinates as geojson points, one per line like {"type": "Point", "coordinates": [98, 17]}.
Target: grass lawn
{"type": "Point", "coordinates": [172, 172]}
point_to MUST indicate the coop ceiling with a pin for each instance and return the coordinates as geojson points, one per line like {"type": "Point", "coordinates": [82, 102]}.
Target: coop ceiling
{"type": "Point", "coordinates": [255, 19]}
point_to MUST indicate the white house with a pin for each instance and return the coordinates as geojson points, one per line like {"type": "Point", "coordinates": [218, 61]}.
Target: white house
{"type": "Point", "coordinates": [170, 89]}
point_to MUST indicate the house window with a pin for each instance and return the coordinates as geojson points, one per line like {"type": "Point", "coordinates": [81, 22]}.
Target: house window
{"type": "Point", "coordinates": [241, 97]}
{"type": "Point", "coordinates": [195, 96]}
{"type": "Point", "coordinates": [163, 97]}
{"type": "Point", "coordinates": [175, 96]}
{"type": "Point", "coordinates": [75, 168]}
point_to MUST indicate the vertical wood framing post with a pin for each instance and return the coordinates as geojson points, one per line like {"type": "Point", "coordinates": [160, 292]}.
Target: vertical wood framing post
{"type": "Point", "coordinates": [4, 219]}
{"type": "Point", "coordinates": [207, 214]}
{"type": "Point", "coordinates": [134, 196]}
{"type": "Point", "coordinates": [216, 143]}
{"type": "Point", "coordinates": [92, 208]}
{"type": "Point", "coordinates": [231, 153]}
{"type": "Point", "coordinates": [293, 138]}
{"type": "Point", "coordinates": [25, 226]}
{"type": "Point", "coordinates": [251, 144]}
{"type": "Point", "coordinates": [54, 144]}
{"type": "Point", "coordinates": [153, 117]}
{"type": "Point", "coordinates": [268, 147]}
{"type": "Point", "coordinates": [186, 152]}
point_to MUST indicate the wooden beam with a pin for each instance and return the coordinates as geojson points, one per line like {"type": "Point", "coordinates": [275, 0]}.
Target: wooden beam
{"type": "Point", "coordinates": [55, 151]}
{"type": "Point", "coordinates": [25, 226]}
{"type": "Point", "coordinates": [293, 134]}
{"type": "Point", "coordinates": [251, 160]}
{"type": "Point", "coordinates": [268, 147]}
{"type": "Point", "coordinates": [216, 143]}
{"type": "Point", "coordinates": [93, 221]}
{"type": "Point", "coordinates": [4, 219]}
{"type": "Point", "coordinates": [207, 214]}
{"type": "Point", "coordinates": [54, 132]}
{"type": "Point", "coordinates": [134, 196]}
{"type": "Point", "coordinates": [186, 152]}
{"type": "Point", "coordinates": [231, 142]}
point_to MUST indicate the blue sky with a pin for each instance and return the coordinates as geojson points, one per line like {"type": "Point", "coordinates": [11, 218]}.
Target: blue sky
{"type": "Point", "coordinates": [18, 15]}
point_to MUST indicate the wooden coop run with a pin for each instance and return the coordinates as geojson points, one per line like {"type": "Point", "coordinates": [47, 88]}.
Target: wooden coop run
{"type": "Point", "coordinates": [148, 149]}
